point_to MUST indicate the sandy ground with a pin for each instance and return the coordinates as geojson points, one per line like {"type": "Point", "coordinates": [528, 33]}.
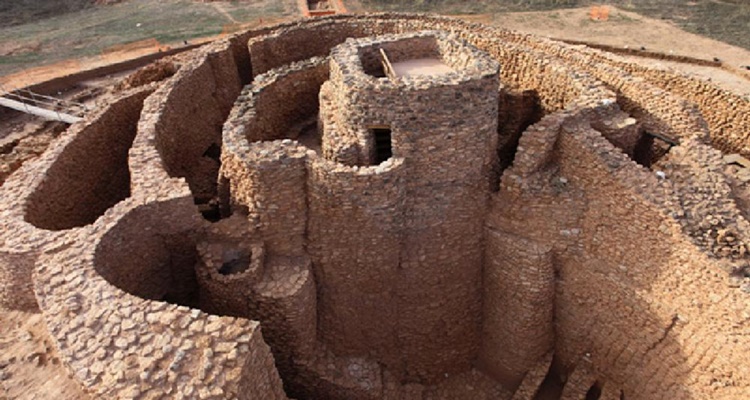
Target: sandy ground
{"type": "Point", "coordinates": [45, 73]}
{"type": "Point", "coordinates": [626, 29]}
{"type": "Point", "coordinates": [623, 29]}
{"type": "Point", "coordinates": [422, 66]}
{"type": "Point", "coordinates": [29, 367]}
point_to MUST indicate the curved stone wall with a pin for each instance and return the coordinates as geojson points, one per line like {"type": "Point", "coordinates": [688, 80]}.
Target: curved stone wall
{"type": "Point", "coordinates": [143, 348]}
{"type": "Point", "coordinates": [407, 279]}
{"type": "Point", "coordinates": [186, 117]}
{"type": "Point", "coordinates": [278, 101]}
{"type": "Point", "coordinates": [91, 174]}
{"type": "Point", "coordinates": [87, 175]}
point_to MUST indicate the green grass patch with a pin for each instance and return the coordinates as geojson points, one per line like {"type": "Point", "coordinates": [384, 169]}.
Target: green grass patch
{"type": "Point", "coordinates": [91, 30]}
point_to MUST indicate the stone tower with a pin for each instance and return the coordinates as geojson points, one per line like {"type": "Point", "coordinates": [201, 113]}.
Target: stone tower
{"type": "Point", "coordinates": [415, 118]}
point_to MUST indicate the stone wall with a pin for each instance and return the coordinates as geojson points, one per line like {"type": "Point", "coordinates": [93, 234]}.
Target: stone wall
{"type": "Point", "coordinates": [519, 285]}
{"type": "Point", "coordinates": [200, 97]}
{"type": "Point", "coordinates": [91, 175]}
{"type": "Point", "coordinates": [280, 100]}
{"type": "Point", "coordinates": [293, 44]}
{"type": "Point", "coordinates": [621, 288]}
{"type": "Point", "coordinates": [375, 281]}
{"type": "Point", "coordinates": [358, 209]}
{"type": "Point", "coordinates": [726, 113]}
{"type": "Point", "coordinates": [143, 348]}
{"type": "Point", "coordinates": [434, 263]}
{"type": "Point", "coordinates": [648, 258]}
{"type": "Point", "coordinates": [88, 173]}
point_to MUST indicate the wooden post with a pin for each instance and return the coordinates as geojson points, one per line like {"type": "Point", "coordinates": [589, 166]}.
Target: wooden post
{"type": "Point", "coordinates": [387, 67]}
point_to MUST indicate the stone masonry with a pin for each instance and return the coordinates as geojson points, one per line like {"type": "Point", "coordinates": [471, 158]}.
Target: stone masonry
{"type": "Point", "coordinates": [285, 214]}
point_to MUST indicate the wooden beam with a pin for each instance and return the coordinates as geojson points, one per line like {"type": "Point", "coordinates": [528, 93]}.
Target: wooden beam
{"type": "Point", "coordinates": [387, 66]}
{"type": "Point", "coordinates": [737, 159]}
{"type": "Point", "coordinates": [661, 137]}
{"type": "Point", "coordinates": [39, 112]}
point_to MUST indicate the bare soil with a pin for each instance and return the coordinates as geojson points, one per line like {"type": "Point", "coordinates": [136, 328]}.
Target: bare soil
{"type": "Point", "coordinates": [628, 29]}
{"type": "Point", "coordinates": [29, 365]}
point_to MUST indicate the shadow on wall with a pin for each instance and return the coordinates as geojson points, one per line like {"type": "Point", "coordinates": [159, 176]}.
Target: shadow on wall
{"type": "Point", "coordinates": [188, 133]}
{"type": "Point", "coordinates": [151, 253]}
{"type": "Point", "coordinates": [91, 174]}
{"type": "Point", "coordinates": [609, 306]}
{"type": "Point", "coordinates": [518, 109]}
{"type": "Point", "coordinates": [616, 332]}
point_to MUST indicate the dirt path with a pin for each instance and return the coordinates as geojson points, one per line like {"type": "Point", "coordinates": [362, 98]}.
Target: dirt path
{"type": "Point", "coordinates": [220, 8]}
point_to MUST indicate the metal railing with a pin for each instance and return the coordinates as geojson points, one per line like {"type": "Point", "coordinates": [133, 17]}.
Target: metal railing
{"type": "Point", "coordinates": [47, 107]}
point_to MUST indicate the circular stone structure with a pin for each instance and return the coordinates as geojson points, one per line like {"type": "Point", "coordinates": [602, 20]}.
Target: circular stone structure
{"type": "Point", "coordinates": [393, 206]}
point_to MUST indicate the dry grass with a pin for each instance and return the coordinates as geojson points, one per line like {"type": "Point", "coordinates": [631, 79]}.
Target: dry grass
{"type": "Point", "coordinates": [90, 30]}
{"type": "Point", "coordinates": [727, 21]}
{"type": "Point", "coordinates": [79, 29]}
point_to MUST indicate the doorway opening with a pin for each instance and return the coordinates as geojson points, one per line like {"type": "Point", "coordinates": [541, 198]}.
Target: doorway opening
{"type": "Point", "coordinates": [383, 146]}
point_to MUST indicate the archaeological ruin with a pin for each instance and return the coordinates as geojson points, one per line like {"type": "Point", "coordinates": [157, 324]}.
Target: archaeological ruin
{"type": "Point", "coordinates": [393, 206]}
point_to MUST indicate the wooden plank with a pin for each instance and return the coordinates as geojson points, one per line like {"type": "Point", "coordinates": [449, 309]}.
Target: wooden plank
{"type": "Point", "coordinates": [387, 66]}
{"type": "Point", "coordinates": [39, 112]}
{"type": "Point", "coordinates": [664, 138]}
{"type": "Point", "coordinates": [737, 159]}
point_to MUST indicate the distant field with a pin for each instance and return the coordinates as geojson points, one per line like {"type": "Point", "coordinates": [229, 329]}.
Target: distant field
{"type": "Point", "coordinates": [91, 29]}
{"type": "Point", "coordinates": [727, 20]}
{"type": "Point", "coordinates": [41, 32]}
{"type": "Point", "coordinates": [15, 12]}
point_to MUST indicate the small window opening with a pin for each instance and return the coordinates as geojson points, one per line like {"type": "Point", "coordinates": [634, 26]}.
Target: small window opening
{"type": "Point", "coordinates": [383, 145]}
{"type": "Point", "coordinates": [234, 262]}
{"type": "Point", "coordinates": [651, 148]}
{"type": "Point", "coordinates": [375, 69]}
{"type": "Point", "coordinates": [595, 392]}
{"type": "Point", "coordinates": [213, 152]}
